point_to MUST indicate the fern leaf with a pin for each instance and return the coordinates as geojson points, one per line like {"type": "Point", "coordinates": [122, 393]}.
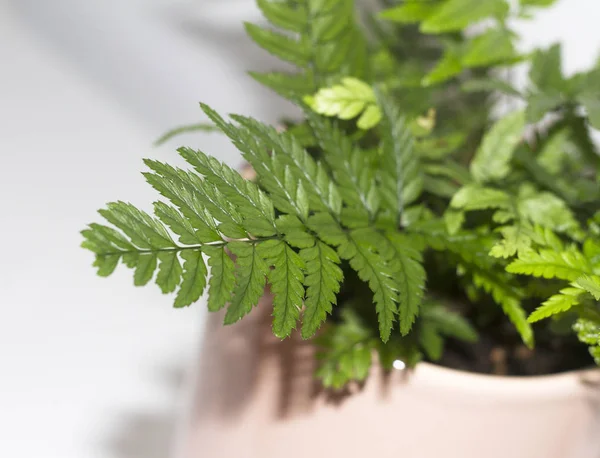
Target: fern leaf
{"type": "Point", "coordinates": [280, 45]}
{"type": "Point", "coordinates": [410, 276]}
{"type": "Point", "coordinates": [347, 100]}
{"type": "Point", "coordinates": [143, 230]}
{"type": "Point", "coordinates": [409, 12]}
{"type": "Point", "coordinates": [243, 194]}
{"type": "Point", "coordinates": [457, 14]}
{"type": "Point", "coordinates": [194, 278]}
{"type": "Point", "coordinates": [431, 341]}
{"type": "Point", "coordinates": [344, 352]}
{"type": "Point", "coordinates": [492, 159]}
{"type": "Point", "coordinates": [222, 278]}
{"type": "Point", "coordinates": [448, 323]}
{"type": "Point", "coordinates": [351, 167]}
{"type": "Point", "coordinates": [176, 186]}
{"type": "Point", "coordinates": [372, 269]}
{"type": "Point", "coordinates": [288, 155]}
{"type": "Point", "coordinates": [591, 284]}
{"type": "Point", "coordinates": [286, 279]}
{"type": "Point", "coordinates": [106, 263]}
{"type": "Point", "coordinates": [284, 16]}
{"type": "Point", "coordinates": [322, 281]}
{"type": "Point", "coordinates": [251, 273]}
{"type": "Point", "coordinates": [145, 268]}
{"type": "Point", "coordinates": [169, 271]}
{"type": "Point", "coordinates": [177, 223]}
{"type": "Point", "coordinates": [559, 303]}
{"type": "Point", "coordinates": [567, 265]}
{"type": "Point", "coordinates": [509, 299]}
{"type": "Point", "coordinates": [475, 197]}
{"type": "Point", "coordinates": [401, 179]}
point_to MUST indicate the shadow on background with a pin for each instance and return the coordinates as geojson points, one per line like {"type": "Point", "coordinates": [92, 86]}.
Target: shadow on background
{"type": "Point", "coordinates": [148, 434]}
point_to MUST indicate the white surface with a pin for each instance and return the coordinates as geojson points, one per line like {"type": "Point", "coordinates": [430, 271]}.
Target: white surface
{"type": "Point", "coordinates": [89, 365]}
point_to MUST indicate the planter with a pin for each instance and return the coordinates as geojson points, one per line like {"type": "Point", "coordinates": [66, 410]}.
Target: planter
{"type": "Point", "coordinates": [257, 399]}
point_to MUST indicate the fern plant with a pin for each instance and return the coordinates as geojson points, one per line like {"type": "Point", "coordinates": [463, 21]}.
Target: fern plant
{"type": "Point", "coordinates": [394, 210]}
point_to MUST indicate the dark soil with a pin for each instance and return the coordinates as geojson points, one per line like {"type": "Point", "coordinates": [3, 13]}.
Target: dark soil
{"type": "Point", "coordinates": [489, 356]}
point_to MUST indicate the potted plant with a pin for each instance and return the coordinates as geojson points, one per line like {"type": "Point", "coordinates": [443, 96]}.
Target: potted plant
{"type": "Point", "coordinates": [417, 239]}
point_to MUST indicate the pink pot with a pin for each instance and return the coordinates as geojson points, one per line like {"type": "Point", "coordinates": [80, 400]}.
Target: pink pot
{"type": "Point", "coordinates": [257, 399]}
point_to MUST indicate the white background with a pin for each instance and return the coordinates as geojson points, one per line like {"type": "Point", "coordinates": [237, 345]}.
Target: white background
{"type": "Point", "coordinates": [93, 367]}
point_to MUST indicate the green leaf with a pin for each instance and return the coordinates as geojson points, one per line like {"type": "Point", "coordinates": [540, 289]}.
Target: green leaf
{"type": "Point", "coordinates": [284, 16]}
{"type": "Point", "coordinates": [194, 278]}
{"type": "Point", "coordinates": [567, 265]}
{"type": "Point", "coordinates": [344, 351]}
{"type": "Point", "coordinates": [230, 193]}
{"type": "Point", "coordinates": [322, 281]}
{"type": "Point", "coordinates": [169, 271]}
{"type": "Point", "coordinates": [431, 341]}
{"type": "Point", "coordinates": [408, 265]}
{"type": "Point", "coordinates": [370, 118]}
{"type": "Point", "coordinates": [546, 70]}
{"type": "Point", "coordinates": [401, 174]}
{"type": "Point", "coordinates": [144, 271]}
{"type": "Point", "coordinates": [251, 276]}
{"type": "Point", "coordinates": [493, 157]}
{"type": "Point", "coordinates": [591, 102]}
{"type": "Point", "coordinates": [410, 12]}
{"type": "Point", "coordinates": [347, 100]}
{"type": "Point", "coordinates": [447, 67]}
{"type": "Point", "coordinates": [490, 85]}
{"type": "Point", "coordinates": [491, 47]}
{"type": "Point", "coordinates": [591, 284]}
{"type": "Point", "coordinates": [222, 278]}
{"type": "Point", "coordinates": [106, 263]}
{"type": "Point", "coordinates": [559, 303]}
{"type": "Point", "coordinates": [185, 190]}
{"type": "Point", "coordinates": [282, 46]}
{"type": "Point", "coordinates": [288, 85]}
{"type": "Point", "coordinates": [373, 270]}
{"type": "Point", "coordinates": [537, 3]}
{"type": "Point", "coordinates": [509, 299]}
{"type": "Point", "coordinates": [477, 197]}
{"type": "Point", "coordinates": [143, 230]}
{"type": "Point", "coordinates": [286, 279]}
{"type": "Point", "coordinates": [450, 324]}
{"type": "Point", "coordinates": [177, 223]}
{"type": "Point", "coordinates": [457, 14]}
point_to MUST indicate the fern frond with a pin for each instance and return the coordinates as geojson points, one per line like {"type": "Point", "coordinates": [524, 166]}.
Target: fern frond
{"type": "Point", "coordinates": [143, 231]}
{"type": "Point", "coordinates": [251, 276]}
{"type": "Point", "coordinates": [401, 174]}
{"type": "Point", "coordinates": [372, 268]}
{"type": "Point", "coordinates": [492, 160]}
{"type": "Point", "coordinates": [566, 265]}
{"type": "Point", "coordinates": [351, 167]}
{"type": "Point", "coordinates": [562, 302]}
{"type": "Point", "coordinates": [408, 265]}
{"type": "Point", "coordinates": [222, 279]}
{"type": "Point", "coordinates": [591, 284]}
{"type": "Point", "coordinates": [322, 281]}
{"type": "Point", "coordinates": [286, 280]}
{"type": "Point", "coordinates": [509, 298]}
{"type": "Point", "coordinates": [325, 43]}
{"type": "Point", "coordinates": [344, 352]}
{"type": "Point", "coordinates": [169, 271]}
{"type": "Point", "coordinates": [194, 278]}
{"type": "Point", "coordinates": [588, 332]}
{"type": "Point", "coordinates": [347, 100]}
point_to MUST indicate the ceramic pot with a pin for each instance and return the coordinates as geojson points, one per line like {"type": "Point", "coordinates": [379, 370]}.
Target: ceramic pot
{"type": "Point", "coordinates": [256, 398]}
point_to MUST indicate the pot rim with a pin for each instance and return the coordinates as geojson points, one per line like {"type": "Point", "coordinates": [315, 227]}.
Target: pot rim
{"type": "Point", "coordinates": [565, 384]}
